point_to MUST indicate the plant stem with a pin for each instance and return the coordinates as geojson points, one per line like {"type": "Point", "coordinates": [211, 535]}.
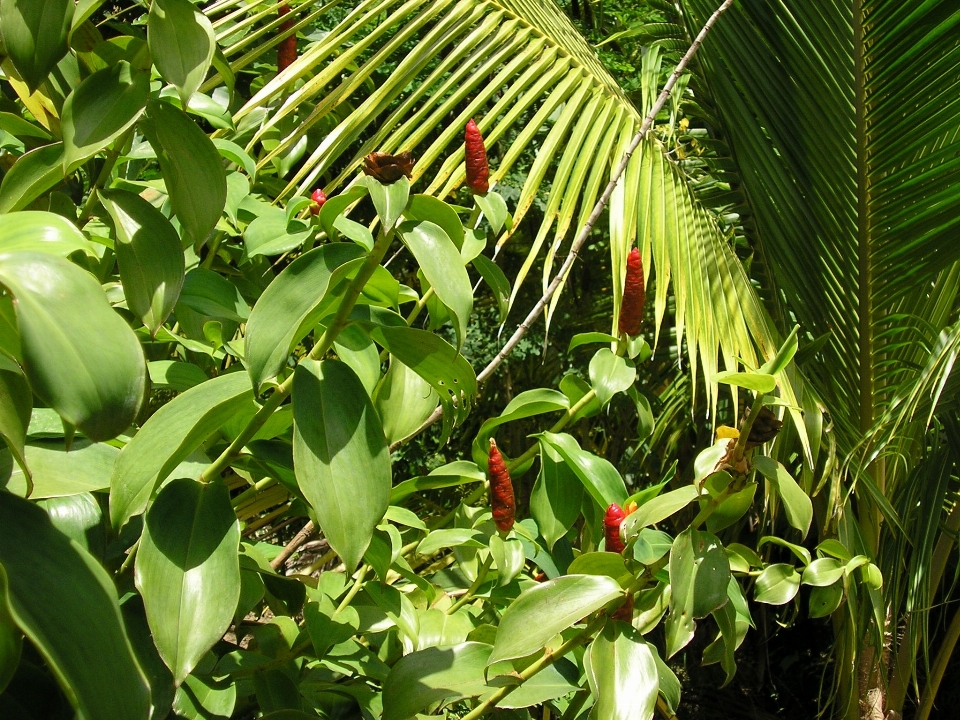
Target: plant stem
{"type": "Point", "coordinates": [108, 164]}
{"type": "Point", "coordinates": [472, 590]}
{"type": "Point", "coordinates": [557, 427]}
{"type": "Point", "coordinates": [319, 350]}
{"type": "Point", "coordinates": [128, 560]}
{"type": "Point", "coordinates": [348, 598]}
{"type": "Point", "coordinates": [939, 667]}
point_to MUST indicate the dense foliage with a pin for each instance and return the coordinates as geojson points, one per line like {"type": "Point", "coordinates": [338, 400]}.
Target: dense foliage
{"type": "Point", "coordinates": [273, 448]}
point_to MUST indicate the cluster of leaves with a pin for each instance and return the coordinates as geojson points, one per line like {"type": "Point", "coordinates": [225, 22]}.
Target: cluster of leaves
{"type": "Point", "coordinates": [191, 355]}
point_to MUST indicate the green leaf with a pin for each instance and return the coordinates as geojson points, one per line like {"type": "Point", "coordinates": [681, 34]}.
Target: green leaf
{"type": "Point", "coordinates": [731, 509]}
{"type": "Point", "coordinates": [796, 503]}
{"type": "Point", "coordinates": [784, 355]}
{"type": "Point", "coordinates": [200, 698]}
{"type": "Point", "coordinates": [403, 401]}
{"type": "Point", "coordinates": [340, 455]}
{"type": "Point", "coordinates": [427, 207]}
{"type": "Point", "coordinates": [824, 600]}
{"type": "Point", "coordinates": [150, 257]}
{"type": "Point", "coordinates": [610, 374]}
{"type": "Point", "coordinates": [188, 570]}
{"type": "Point", "coordinates": [356, 349]}
{"type": "Point", "coordinates": [456, 473]}
{"type": "Point", "coordinates": [542, 611]}
{"type": "Point", "coordinates": [659, 509]}
{"type": "Point", "coordinates": [360, 234]}
{"type": "Point", "coordinates": [494, 209]}
{"type": "Point", "coordinates": [11, 639]}
{"type": "Point", "coordinates": [508, 557]}
{"type": "Point", "coordinates": [428, 676]}
{"type": "Point", "coordinates": [450, 537]}
{"type": "Point", "coordinates": [599, 563]}
{"type": "Point", "coordinates": [35, 35]}
{"type": "Point", "coordinates": [182, 42]}
{"type": "Point", "coordinates": [44, 232]}
{"type": "Point", "coordinates": [622, 672]}
{"type": "Point", "coordinates": [32, 175]}
{"type": "Point", "coordinates": [289, 308]}
{"type": "Point", "coordinates": [168, 437]}
{"type": "Point", "coordinates": [16, 406]}
{"type": "Point", "coordinates": [756, 381]}
{"type": "Point", "coordinates": [598, 476]}
{"type": "Point", "coordinates": [442, 265]}
{"type": "Point", "coordinates": [57, 472]}
{"type": "Point", "coordinates": [99, 109]}
{"type": "Point", "coordinates": [66, 604]}
{"type": "Point", "coordinates": [495, 278]}
{"type": "Point", "coordinates": [556, 497]}
{"type": "Point", "coordinates": [80, 518]}
{"type": "Point", "coordinates": [651, 545]}
{"type": "Point", "coordinates": [272, 233]}
{"type": "Point", "coordinates": [777, 584]}
{"type": "Point", "coordinates": [529, 403]}
{"type": "Point", "coordinates": [389, 200]}
{"type": "Point", "coordinates": [192, 169]}
{"type": "Point", "coordinates": [699, 575]}
{"type": "Point", "coordinates": [552, 682]}
{"type": "Point", "coordinates": [589, 338]}
{"type": "Point", "coordinates": [209, 293]}
{"type": "Point", "coordinates": [822, 572]}
{"type": "Point", "coordinates": [95, 385]}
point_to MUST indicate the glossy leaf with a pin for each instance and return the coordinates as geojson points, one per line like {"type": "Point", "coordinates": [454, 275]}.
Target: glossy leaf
{"type": "Point", "coordinates": [822, 572]}
{"type": "Point", "coordinates": [403, 401]}
{"type": "Point", "coordinates": [556, 497]}
{"type": "Point", "coordinates": [796, 503]}
{"type": "Point", "coordinates": [95, 386]}
{"type": "Point", "coordinates": [57, 472]}
{"type": "Point", "coordinates": [610, 374]}
{"type": "Point", "coordinates": [659, 508]}
{"type": "Point", "coordinates": [389, 200]}
{"type": "Point", "coordinates": [496, 280]}
{"type": "Point", "coordinates": [32, 175]}
{"type": "Point", "coordinates": [149, 254]}
{"type": "Point", "coordinates": [427, 207]}
{"type": "Point", "coordinates": [599, 477]}
{"type": "Point", "coordinates": [99, 109]}
{"type": "Point", "coordinates": [182, 42]}
{"type": "Point", "coordinates": [209, 293]}
{"type": "Point", "coordinates": [428, 676]}
{"type": "Point", "coordinates": [599, 563]}
{"type": "Point", "coordinates": [289, 308]}
{"type": "Point", "coordinates": [622, 673]}
{"type": "Point", "coordinates": [758, 382]}
{"type": "Point", "coordinates": [529, 403]}
{"type": "Point", "coordinates": [777, 584]}
{"type": "Point", "coordinates": [354, 347]}
{"type": "Point", "coordinates": [340, 455]}
{"type": "Point", "coordinates": [16, 405]}
{"type": "Point", "coordinates": [80, 518]}
{"type": "Point", "coordinates": [192, 169]}
{"type": "Point", "coordinates": [66, 604]}
{"type": "Point", "coordinates": [508, 557]}
{"type": "Point", "coordinates": [699, 575]}
{"type": "Point", "coordinates": [44, 232]}
{"type": "Point", "coordinates": [188, 570]}
{"type": "Point", "coordinates": [168, 437]}
{"type": "Point", "coordinates": [548, 608]}
{"type": "Point", "coordinates": [11, 639]}
{"type": "Point", "coordinates": [824, 600]}
{"type": "Point", "coordinates": [443, 267]}
{"type": "Point", "coordinates": [35, 35]}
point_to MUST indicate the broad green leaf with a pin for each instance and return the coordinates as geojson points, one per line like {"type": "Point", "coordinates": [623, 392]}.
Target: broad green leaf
{"type": "Point", "coordinates": [403, 400]}
{"type": "Point", "coordinates": [651, 545]}
{"type": "Point", "coordinates": [289, 308]}
{"type": "Point", "coordinates": [35, 35]}
{"type": "Point", "coordinates": [777, 584]}
{"type": "Point", "coordinates": [56, 472]}
{"type": "Point", "coordinates": [272, 233]}
{"type": "Point", "coordinates": [389, 200]}
{"type": "Point", "coordinates": [722, 648]}
{"type": "Point", "coordinates": [659, 509]}
{"type": "Point", "coordinates": [589, 338]}
{"type": "Point", "coordinates": [66, 604]}
{"type": "Point", "coordinates": [527, 404]}
{"type": "Point", "coordinates": [798, 550]}
{"type": "Point", "coordinates": [731, 509]}
{"type": "Point", "coordinates": [11, 639]}
{"type": "Point", "coordinates": [622, 672]}
{"type": "Point", "coordinates": [442, 265]}
{"type": "Point", "coordinates": [427, 207]}
{"type": "Point", "coordinates": [200, 698]}
{"type": "Point", "coordinates": [460, 472]}
{"type": "Point", "coordinates": [552, 682]}
{"type": "Point", "coordinates": [150, 257]}
{"type": "Point", "coordinates": [209, 293]}
{"type": "Point", "coordinates": [99, 109]}
{"type": "Point", "coordinates": [699, 575]}
{"type": "Point", "coordinates": [81, 358]}
{"type": "Point", "coordinates": [351, 230]}
{"type": "Point", "coordinates": [494, 209]}
{"type": "Point", "coordinates": [784, 355]}
{"type": "Point", "coordinates": [168, 437]}
{"type": "Point", "coordinates": [669, 682]}
{"type": "Point", "coordinates": [80, 518]}
{"type": "Point", "coordinates": [16, 405]}
{"type": "Point", "coordinates": [508, 557]}
{"type": "Point", "coordinates": [15, 125]}
{"type": "Point", "coordinates": [354, 347]}
{"type": "Point", "coordinates": [546, 609]}
{"type": "Point", "coordinates": [556, 497]}
{"type": "Point", "coordinates": [610, 374]}
{"type": "Point", "coordinates": [398, 608]}
{"type": "Point", "coordinates": [599, 563]}
{"type": "Point", "coordinates": [340, 455]}
{"type": "Point", "coordinates": [495, 278]}
{"type": "Point", "coordinates": [824, 600]}
{"type": "Point", "coordinates": [450, 537]}
{"type": "Point", "coordinates": [175, 375]}
{"type": "Point", "coordinates": [44, 232]}
{"type": "Point", "coordinates": [192, 169]}
{"type": "Point", "coordinates": [438, 629]}
{"type": "Point", "coordinates": [796, 503]}
{"type": "Point", "coordinates": [822, 572]}
{"type": "Point", "coordinates": [188, 570]}
{"type": "Point", "coordinates": [598, 476]}
{"type": "Point", "coordinates": [337, 205]}
{"type": "Point", "coordinates": [756, 381]}
{"type": "Point", "coordinates": [427, 676]}
{"type": "Point", "coordinates": [182, 42]}
{"type": "Point", "coordinates": [32, 175]}
{"type": "Point", "coordinates": [576, 388]}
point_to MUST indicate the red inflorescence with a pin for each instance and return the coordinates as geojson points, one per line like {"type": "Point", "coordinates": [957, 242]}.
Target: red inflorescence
{"type": "Point", "coordinates": [501, 491]}
{"type": "Point", "coordinates": [478, 171]}
{"type": "Point", "coordinates": [631, 309]}
{"type": "Point", "coordinates": [319, 197]}
{"type": "Point", "coordinates": [287, 49]}
{"type": "Point", "coordinates": [611, 525]}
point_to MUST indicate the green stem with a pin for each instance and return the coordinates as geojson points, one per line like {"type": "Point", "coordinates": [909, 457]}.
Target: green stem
{"type": "Point", "coordinates": [212, 252]}
{"type": "Point", "coordinates": [319, 350]}
{"type": "Point", "coordinates": [108, 164]}
{"type": "Point", "coordinates": [741, 445]}
{"type": "Point", "coordinates": [472, 590]}
{"type": "Point", "coordinates": [348, 598]}
{"type": "Point", "coordinates": [557, 427]}
{"type": "Point", "coordinates": [128, 561]}
{"type": "Point", "coordinates": [544, 662]}
{"type": "Point", "coordinates": [939, 667]}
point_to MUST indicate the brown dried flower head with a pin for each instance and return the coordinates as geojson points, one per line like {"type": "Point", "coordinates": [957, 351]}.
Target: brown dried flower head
{"type": "Point", "coordinates": [388, 168]}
